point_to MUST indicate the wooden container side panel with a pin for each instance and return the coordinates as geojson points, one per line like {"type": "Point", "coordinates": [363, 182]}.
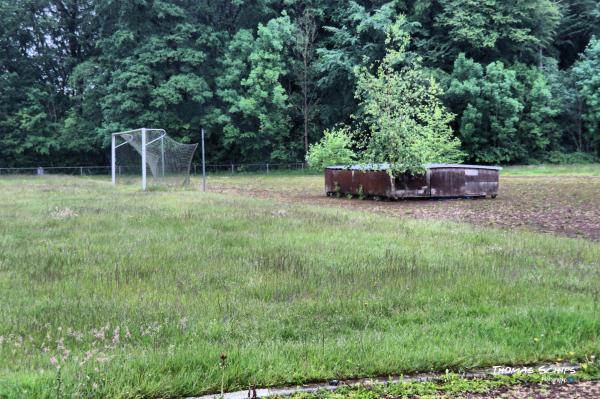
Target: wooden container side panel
{"type": "Point", "coordinates": [411, 186]}
{"type": "Point", "coordinates": [459, 182]}
{"type": "Point", "coordinates": [487, 182]}
{"type": "Point", "coordinates": [376, 183]}
{"type": "Point", "coordinates": [447, 182]}
{"type": "Point", "coordinates": [438, 182]}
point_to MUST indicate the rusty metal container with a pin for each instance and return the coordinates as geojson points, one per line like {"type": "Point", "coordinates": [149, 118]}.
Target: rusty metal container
{"type": "Point", "coordinates": [439, 181]}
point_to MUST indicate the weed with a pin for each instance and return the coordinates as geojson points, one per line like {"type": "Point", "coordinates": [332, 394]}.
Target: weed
{"type": "Point", "coordinates": [361, 193]}
{"type": "Point", "coordinates": [337, 190]}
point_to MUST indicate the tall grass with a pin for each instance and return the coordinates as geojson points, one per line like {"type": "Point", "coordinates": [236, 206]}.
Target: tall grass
{"type": "Point", "coordinates": [118, 293]}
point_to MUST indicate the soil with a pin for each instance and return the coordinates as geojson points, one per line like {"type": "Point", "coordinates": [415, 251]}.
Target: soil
{"type": "Point", "coordinates": [580, 390]}
{"type": "Point", "coordinates": [568, 206]}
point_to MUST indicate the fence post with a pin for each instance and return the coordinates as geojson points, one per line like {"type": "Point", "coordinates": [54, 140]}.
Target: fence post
{"type": "Point", "coordinates": [267, 168]}
{"type": "Point", "coordinates": [81, 171]}
{"type": "Point", "coordinates": [113, 160]}
{"type": "Point", "coordinates": [232, 170]}
{"type": "Point", "coordinates": [203, 164]}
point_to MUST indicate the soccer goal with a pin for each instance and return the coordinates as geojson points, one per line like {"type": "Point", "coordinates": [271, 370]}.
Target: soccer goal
{"type": "Point", "coordinates": [134, 152]}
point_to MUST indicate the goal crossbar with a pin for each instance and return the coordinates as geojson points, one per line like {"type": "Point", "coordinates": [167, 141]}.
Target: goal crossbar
{"type": "Point", "coordinates": [156, 139]}
{"type": "Point", "coordinates": [179, 155]}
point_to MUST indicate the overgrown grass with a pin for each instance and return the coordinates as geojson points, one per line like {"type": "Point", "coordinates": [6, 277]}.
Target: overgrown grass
{"type": "Point", "coordinates": [553, 170]}
{"type": "Point", "coordinates": [137, 294]}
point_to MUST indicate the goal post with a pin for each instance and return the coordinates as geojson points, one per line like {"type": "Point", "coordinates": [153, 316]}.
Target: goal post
{"type": "Point", "coordinates": [133, 152]}
{"type": "Point", "coordinates": [144, 159]}
{"type": "Point", "coordinates": [113, 152]}
{"type": "Point", "coordinates": [113, 160]}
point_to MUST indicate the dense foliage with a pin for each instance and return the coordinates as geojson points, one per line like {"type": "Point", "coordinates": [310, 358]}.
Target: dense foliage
{"type": "Point", "coordinates": [334, 148]}
{"type": "Point", "coordinates": [266, 78]}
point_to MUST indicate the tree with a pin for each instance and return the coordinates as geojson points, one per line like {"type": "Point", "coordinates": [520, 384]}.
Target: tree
{"type": "Point", "coordinates": [488, 30]}
{"type": "Point", "coordinates": [580, 21]}
{"type": "Point", "coordinates": [489, 108]}
{"type": "Point", "coordinates": [304, 47]}
{"type": "Point", "coordinates": [266, 77]}
{"type": "Point", "coordinates": [407, 124]}
{"type": "Point", "coordinates": [335, 148]}
{"type": "Point", "coordinates": [40, 44]}
{"type": "Point", "coordinates": [259, 125]}
{"type": "Point", "coordinates": [354, 36]}
{"type": "Point", "coordinates": [146, 70]}
{"type": "Point", "coordinates": [235, 66]}
{"type": "Point", "coordinates": [587, 73]}
{"type": "Point", "coordinates": [570, 104]}
{"type": "Point", "coordinates": [538, 130]}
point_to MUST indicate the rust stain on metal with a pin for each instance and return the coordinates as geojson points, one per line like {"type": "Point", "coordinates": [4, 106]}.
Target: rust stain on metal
{"type": "Point", "coordinates": [440, 181]}
{"type": "Point", "coordinates": [352, 181]}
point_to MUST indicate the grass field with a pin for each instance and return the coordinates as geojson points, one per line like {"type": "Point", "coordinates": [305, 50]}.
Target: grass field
{"type": "Point", "coordinates": [588, 169]}
{"type": "Point", "coordinates": [553, 170]}
{"type": "Point", "coordinates": [137, 294]}
{"type": "Point", "coordinates": [556, 204]}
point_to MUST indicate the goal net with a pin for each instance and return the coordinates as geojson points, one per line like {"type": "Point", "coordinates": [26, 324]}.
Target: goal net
{"type": "Point", "coordinates": [151, 156]}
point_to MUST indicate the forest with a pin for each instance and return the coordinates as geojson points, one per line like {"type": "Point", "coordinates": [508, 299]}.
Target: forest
{"type": "Point", "coordinates": [267, 78]}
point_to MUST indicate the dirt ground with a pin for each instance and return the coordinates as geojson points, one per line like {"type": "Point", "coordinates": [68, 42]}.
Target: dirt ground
{"type": "Point", "coordinates": [580, 390]}
{"type": "Point", "coordinates": [568, 206]}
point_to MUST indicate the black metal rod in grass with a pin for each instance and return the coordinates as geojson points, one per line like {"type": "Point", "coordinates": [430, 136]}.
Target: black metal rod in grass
{"type": "Point", "coordinates": [222, 365]}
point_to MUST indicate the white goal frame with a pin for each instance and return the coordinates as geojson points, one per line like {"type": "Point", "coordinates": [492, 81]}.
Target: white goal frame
{"type": "Point", "coordinates": [113, 153]}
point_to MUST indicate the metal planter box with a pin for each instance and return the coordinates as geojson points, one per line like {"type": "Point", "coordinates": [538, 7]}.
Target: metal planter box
{"type": "Point", "coordinates": [439, 181]}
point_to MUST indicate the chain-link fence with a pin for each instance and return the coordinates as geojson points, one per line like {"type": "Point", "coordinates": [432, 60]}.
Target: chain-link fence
{"type": "Point", "coordinates": [211, 169]}
{"type": "Point", "coordinates": [250, 168]}
{"type": "Point", "coordinates": [57, 170]}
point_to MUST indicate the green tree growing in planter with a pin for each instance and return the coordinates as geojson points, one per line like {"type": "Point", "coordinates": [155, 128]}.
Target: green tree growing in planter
{"type": "Point", "coordinates": [333, 149]}
{"type": "Point", "coordinates": [406, 124]}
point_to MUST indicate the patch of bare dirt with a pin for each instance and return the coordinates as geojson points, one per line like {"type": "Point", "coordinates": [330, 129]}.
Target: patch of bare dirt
{"type": "Point", "coordinates": [568, 206]}
{"type": "Point", "coordinates": [580, 390]}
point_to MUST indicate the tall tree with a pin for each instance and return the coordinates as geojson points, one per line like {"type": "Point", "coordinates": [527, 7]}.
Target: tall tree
{"type": "Point", "coordinates": [489, 30]}
{"type": "Point", "coordinates": [354, 37]}
{"type": "Point", "coordinates": [42, 41]}
{"type": "Point", "coordinates": [570, 119]}
{"type": "Point", "coordinates": [148, 71]}
{"type": "Point", "coordinates": [489, 108]}
{"type": "Point", "coordinates": [258, 125]}
{"type": "Point", "coordinates": [304, 38]}
{"type": "Point", "coordinates": [587, 73]}
{"type": "Point", "coordinates": [580, 21]}
{"type": "Point", "coordinates": [538, 128]}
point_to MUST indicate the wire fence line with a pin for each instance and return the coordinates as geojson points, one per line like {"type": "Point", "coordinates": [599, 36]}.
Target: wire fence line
{"type": "Point", "coordinates": [264, 167]}
{"type": "Point", "coordinates": [195, 170]}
